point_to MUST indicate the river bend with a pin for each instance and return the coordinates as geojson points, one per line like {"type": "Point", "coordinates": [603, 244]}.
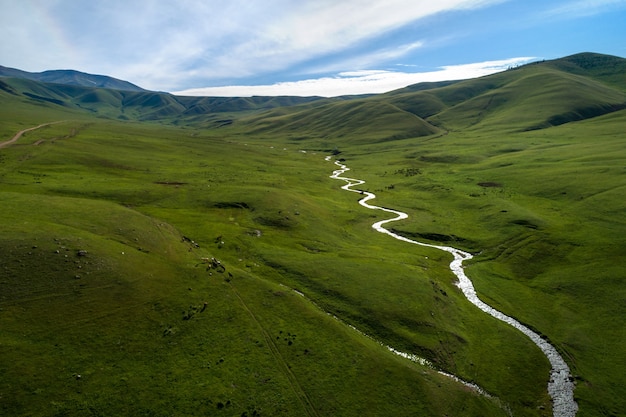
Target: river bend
{"type": "Point", "coordinates": [561, 384]}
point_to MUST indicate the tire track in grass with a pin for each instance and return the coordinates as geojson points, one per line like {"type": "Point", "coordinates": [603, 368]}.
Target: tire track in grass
{"type": "Point", "coordinates": [561, 385]}
{"type": "Point", "coordinates": [305, 401]}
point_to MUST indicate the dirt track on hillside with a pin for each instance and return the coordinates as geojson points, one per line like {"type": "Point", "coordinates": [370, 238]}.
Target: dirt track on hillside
{"type": "Point", "coordinates": [21, 132]}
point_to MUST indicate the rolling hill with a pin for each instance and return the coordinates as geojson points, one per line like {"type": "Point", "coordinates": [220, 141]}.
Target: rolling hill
{"type": "Point", "coordinates": [138, 105]}
{"type": "Point", "coordinates": [530, 97]}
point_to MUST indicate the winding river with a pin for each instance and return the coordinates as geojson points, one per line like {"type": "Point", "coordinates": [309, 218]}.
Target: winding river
{"type": "Point", "coordinates": [561, 384]}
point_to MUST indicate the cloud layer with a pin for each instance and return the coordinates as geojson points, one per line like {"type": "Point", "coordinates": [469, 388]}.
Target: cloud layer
{"type": "Point", "coordinates": [162, 42]}
{"type": "Point", "coordinates": [358, 82]}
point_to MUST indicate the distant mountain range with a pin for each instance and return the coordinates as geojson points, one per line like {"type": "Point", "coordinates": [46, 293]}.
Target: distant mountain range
{"type": "Point", "coordinates": [530, 97]}
{"type": "Point", "coordinates": [71, 77]}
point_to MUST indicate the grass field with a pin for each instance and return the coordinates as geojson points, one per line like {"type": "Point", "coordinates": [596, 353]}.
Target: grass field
{"type": "Point", "coordinates": [111, 302]}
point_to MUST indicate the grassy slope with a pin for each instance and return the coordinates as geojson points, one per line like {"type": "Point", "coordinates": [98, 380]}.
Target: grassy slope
{"type": "Point", "coordinates": [144, 105]}
{"type": "Point", "coordinates": [535, 98]}
{"type": "Point", "coordinates": [531, 97]}
{"type": "Point", "coordinates": [547, 222]}
{"type": "Point", "coordinates": [346, 122]}
{"type": "Point", "coordinates": [542, 206]}
{"type": "Point", "coordinates": [127, 194]}
{"type": "Point", "coordinates": [604, 68]}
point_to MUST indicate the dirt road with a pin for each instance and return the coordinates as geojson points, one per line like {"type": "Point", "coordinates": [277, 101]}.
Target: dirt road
{"type": "Point", "coordinates": [21, 132]}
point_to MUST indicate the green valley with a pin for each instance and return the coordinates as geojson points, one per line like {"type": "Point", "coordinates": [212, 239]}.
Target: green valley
{"type": "Point", "coordinates": [164, 255]}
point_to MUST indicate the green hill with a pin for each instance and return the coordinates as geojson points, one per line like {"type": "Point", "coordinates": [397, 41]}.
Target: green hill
{"type": "Point", "coordinates": [605, 68]}
{"type": "Point", "coordinates": [356, 120]}
{"type": "Point", "coordinates": [530, 97]}
{"type": "Point", "coordinates": [139, 105]}
{"type": "Point", "coordinates": [534, 98]}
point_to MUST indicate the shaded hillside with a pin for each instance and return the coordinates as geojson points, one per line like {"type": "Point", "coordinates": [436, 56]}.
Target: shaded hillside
{"type": "Point", "coordinates": [365, 120]}
{"type": "Point", "coordinates": [138, 105]}
{"type": "Point", "coordinates": [301, 117]}
{"type": "Point", "coordinates": [203, 105]}
{"type": "Point", "coordinates": [71, 77]}
{"type": "Point", "coordinates": [531, 97]}
{"type": "Point", "coordinates": [534, 96]}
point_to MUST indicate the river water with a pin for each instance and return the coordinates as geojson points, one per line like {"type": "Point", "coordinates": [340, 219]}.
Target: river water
{"type": "Point", "coordinates": [561, 385]}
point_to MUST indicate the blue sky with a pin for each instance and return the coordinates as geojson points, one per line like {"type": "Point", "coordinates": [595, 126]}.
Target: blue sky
{"type": "Point", "coordinates": [301, 47]}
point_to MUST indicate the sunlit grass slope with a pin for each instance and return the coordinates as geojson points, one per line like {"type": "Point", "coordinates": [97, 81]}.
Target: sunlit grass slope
{"type": "Point", "coordinates": [111, 304]}
{"type": "Point", "coordinates": [604, 68]}
{"type": "Point", "coordinates": [531, 97]}
{"type": "Point", "coordinates": [523, 182]}
{"type": "Point", "coordinates": [349, 121]}
{"type": "Point", "coordinates": [536, 98]}
{"type": "Point", "coordinates": [544, 213]}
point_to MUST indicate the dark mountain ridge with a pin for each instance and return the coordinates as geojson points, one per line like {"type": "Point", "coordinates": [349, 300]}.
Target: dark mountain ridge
{"type": "Point", "coordinates": [71, 77]}
{"type": "Point", "coordinates": [140, 105]}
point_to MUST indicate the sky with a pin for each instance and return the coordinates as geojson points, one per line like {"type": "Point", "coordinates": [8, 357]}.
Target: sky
{"type": "Point", "coordinates": [300, 47]}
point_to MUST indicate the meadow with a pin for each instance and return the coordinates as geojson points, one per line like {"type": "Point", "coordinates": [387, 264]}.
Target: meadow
{"type": "Point", "coordinates": [149, 267]}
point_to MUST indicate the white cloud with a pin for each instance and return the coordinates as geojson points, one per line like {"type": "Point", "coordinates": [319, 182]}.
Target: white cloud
{"type": "Point", "coordinates": [359, 82]}
{"type": "Point", "coordinates": [160, 44]}
{"type": "Point", "coordinates": [368, 59]}
{"type": "Point", "coordinates": [309, 29]}
{"type": "Point", "coordinates": [584, 8]}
